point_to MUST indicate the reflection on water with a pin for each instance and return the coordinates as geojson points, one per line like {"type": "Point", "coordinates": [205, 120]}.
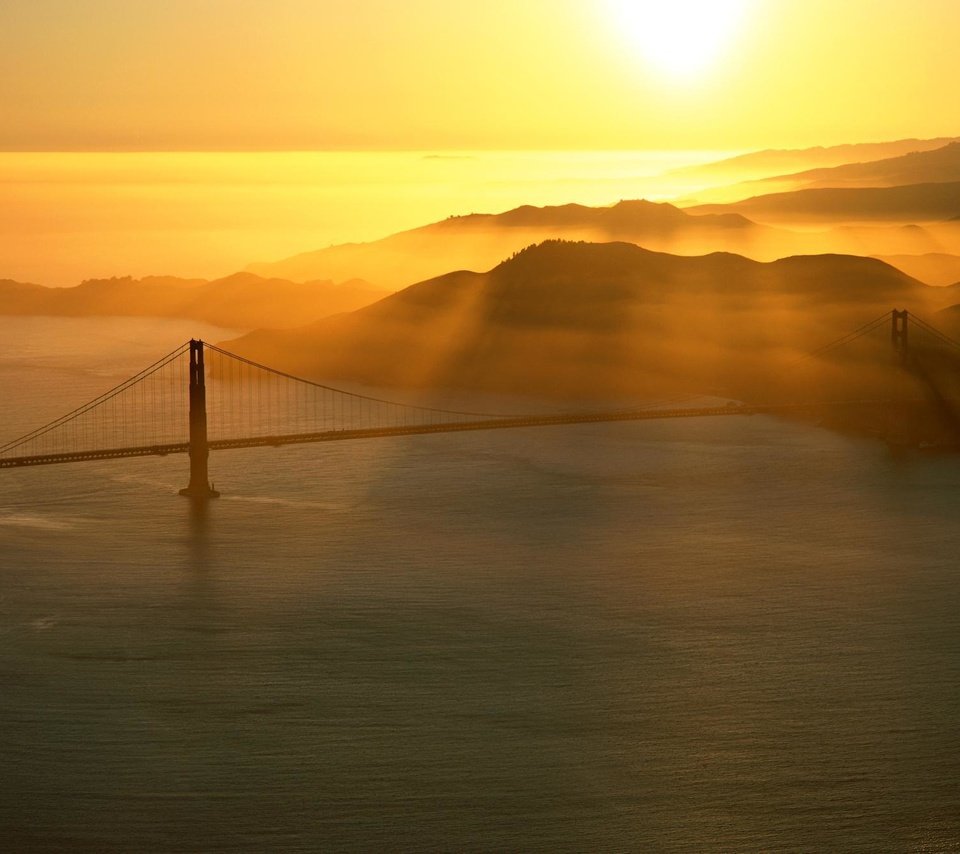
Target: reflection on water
{"type": "Point", "coordinates": [199, 515]}
{"type": "Point", "coordinates": [733, 636]}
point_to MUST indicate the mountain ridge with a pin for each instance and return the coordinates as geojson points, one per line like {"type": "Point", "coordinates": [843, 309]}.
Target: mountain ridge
{"type": "Point", "coordinates": [482, 240]}
{"type": "Point", "coordinates": [802, 159]}
{"type": "Point", "coordinates": [939, 165]}
{"type": "Point", "coordinates": [590, 318]}
{"type": "Point", "coordinates": [240, 300]}
{"type": "Point", "coordinates": [931, 202]}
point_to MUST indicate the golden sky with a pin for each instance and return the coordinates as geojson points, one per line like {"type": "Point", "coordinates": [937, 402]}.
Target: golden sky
{"type": "Point", "coordinates": [451, 74]}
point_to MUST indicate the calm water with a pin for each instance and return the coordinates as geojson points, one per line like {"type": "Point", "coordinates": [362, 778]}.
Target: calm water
{"type": "Point", "coordinates": [737, 634]}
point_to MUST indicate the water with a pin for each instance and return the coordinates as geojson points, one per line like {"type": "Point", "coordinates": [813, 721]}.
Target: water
{"type": "Point", "coordinates": [730, 634]}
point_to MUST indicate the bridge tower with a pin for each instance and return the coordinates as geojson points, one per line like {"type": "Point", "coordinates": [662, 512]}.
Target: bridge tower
{"type": "Point", "coordinates": [199, 486]}
{"type": "Point", "coordinates": [899, 336]}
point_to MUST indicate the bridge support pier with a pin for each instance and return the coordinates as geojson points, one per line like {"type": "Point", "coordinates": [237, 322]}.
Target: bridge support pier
{"type": "Point", "coordinates": [199, 486]}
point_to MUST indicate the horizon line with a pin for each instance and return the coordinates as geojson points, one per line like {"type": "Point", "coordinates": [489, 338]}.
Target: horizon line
{"type": "Point", "coordinates": [404, 149]}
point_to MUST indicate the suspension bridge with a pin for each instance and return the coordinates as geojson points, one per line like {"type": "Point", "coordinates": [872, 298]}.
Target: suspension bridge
{"type": "Point", "coordinates": [201, 398]}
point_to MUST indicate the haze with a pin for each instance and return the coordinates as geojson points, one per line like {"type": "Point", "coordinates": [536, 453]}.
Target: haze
{"type": "Point", "coordinates": [556, 446]}
{"type": "Point", "coordinates": [582, 93]}
{"type": "Point", "coordinates": [425, 74]}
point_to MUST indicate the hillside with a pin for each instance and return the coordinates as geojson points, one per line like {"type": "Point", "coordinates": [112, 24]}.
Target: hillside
{"type": "Point", "coordinates": [920, 167]}
{"type": "Point", "coordinates": [933, 268]}
{"type": "Point", "coordinates": [242, 300]}
{"type": "Point", "coordinates": [914, 203]}
{"type": "Point", "coordinates": [479, 241]}
{"type": "Point", "coordinates": [773, 162]}
{"type": "Point", "coordinates": [581, 319]}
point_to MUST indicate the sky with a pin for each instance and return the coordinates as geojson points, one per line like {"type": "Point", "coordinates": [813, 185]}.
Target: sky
{"type": "Point", "coordinates": [163, 136]}
{"type": "Point", "coordinates": [249, 75]}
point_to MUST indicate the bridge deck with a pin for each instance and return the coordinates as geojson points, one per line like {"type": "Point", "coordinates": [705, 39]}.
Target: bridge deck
{"type": "Point", "coordinates": [452, 427]}
{"type": "Point", "coordinates": [381, 432]}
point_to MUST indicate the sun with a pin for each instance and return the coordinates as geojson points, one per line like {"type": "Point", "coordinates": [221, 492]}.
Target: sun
{"type": "Point", "coordinates": [680, 38]}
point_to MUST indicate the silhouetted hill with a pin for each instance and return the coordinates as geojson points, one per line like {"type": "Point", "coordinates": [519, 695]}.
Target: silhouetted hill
{"type": "Point", "coordinates": [913, 203]}
{"type": "Point", "coordinates": [10, 289]}
{"type": "Point", "coordinates": [773, 162]}
{"type": "Point", "coordinates": [587, 319]}
{"type": "Point", "coordinates": [628, 216]}
{"type": "Point", "coordinates": [242, 300]}
{"type": "Point", "coordinates": [478, 241]}
{"type": "Point", "coordinates": [933, 268]}
{"type": "Point", "coordinates": [948, 319]}
{"type": "Point", "coordinates": [935, 166]}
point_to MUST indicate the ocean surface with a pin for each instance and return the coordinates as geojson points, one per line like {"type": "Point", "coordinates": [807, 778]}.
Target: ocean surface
{"type": "Point", "coordinates": [737, 634]}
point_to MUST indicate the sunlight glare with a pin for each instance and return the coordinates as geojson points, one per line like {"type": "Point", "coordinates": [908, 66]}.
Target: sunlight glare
{"type": "Point", "coordinates": [681, 38]}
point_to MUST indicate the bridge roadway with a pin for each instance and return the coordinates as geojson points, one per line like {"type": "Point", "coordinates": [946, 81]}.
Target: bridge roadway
{"type": "Point", "coordinates": [451, 427]}
{"type": "Point", "coordinates": [382, 432]}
